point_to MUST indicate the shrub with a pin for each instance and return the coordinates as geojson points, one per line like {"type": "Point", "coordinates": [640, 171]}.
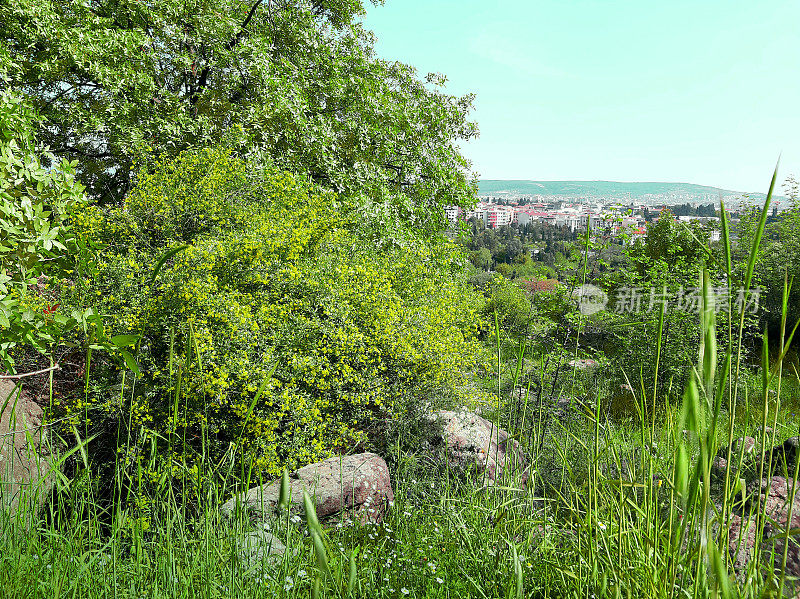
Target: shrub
{"type": "Point", "coordinates": [267, 273]}
{"type": "Point", "coordinates": [38, 196]}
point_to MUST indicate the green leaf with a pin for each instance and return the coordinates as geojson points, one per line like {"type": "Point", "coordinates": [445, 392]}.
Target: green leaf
{"type": "Point", "coordinates": [163, 259]}
{"type": "Point", "coordinates": [124, 340]}
{"type": "Point", "coordinates": [131, 363]}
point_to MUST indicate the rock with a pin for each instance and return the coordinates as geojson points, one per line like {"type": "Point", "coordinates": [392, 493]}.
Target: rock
{"type": "Point", "coordinates": [741, 540]}
{"type": "Point", "coordinates": [519, 393]}
{"type": "Point", "coordinates": [746, 445]}
{"type": "Point", "coordinates": [355, 486]}
{"type": "Point", "coordinates": [583, 364]}
{"type": "Point", "coordinates": [783, 455]}
{"type": "Point", "coordinates": [26, 473]}
{"type": "Point", "coordinates": [719, 466]}
{"type": "Point", "coordinates": [259, 547]}
{"type": "Point", "coordinates": [563, 405]}
{"type": "Point", "coordinates": [775, 505]}
{"type": "Point", "coordinates": [790, 447]}
{"type": "Point", "coordinates": [473, 441]}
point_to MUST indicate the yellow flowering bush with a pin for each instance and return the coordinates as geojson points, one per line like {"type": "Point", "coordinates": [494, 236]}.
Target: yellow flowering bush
{"type": "Point", "coordinates": [274, 273]}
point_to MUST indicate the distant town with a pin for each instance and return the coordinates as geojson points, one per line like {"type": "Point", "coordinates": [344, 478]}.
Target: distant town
{"type": "Point", "coordinates": [615, 209]}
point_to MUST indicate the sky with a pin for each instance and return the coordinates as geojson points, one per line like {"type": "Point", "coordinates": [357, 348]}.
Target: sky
{"type": "Point", "coordinates": [705, 92]}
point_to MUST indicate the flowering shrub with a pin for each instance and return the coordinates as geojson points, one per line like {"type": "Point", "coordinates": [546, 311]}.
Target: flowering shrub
{"type": "Point", "coordinates": [271, 273]}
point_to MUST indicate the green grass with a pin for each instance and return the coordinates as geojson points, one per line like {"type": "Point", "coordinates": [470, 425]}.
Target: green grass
{"type": "Point", "coordinates": [617, 507]}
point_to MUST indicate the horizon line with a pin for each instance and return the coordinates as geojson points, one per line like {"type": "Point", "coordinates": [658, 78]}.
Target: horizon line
{"type": "Point", "coordinates": [618, 181]}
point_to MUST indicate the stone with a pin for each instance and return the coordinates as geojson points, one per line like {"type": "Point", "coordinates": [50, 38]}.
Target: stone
{"type": "Point", "coordinates": [719, 466]}
{"type": "Point", "coordinates": [259, 547]}
{"type": "Point", "coordinates": [26, 472]}
{"type": "Point", "coordinates": [583, 364]}
{"type": "Point", "coordinates": [474, 442]}
{"type": "Point", "coordinates": [775, 506]}
{"type": "Point", "coordinates": [746, 445]}
{"type": "Point", "coordinates": [783, 455]}
{"type": "Point", "coordinates": [349, 487]}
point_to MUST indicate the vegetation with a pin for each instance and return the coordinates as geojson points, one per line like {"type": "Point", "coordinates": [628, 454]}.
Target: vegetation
{"type": "Point", "coordinates": [257, 275]}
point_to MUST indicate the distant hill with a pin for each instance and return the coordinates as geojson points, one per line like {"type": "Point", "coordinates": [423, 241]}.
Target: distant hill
{"type": "Point", "coordinates": [646, 192]}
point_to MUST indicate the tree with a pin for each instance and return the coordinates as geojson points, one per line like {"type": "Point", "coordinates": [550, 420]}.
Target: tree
{"type": "Point", "coordinates": [36, 240]}
{"type": "Point", "coordinates": [482, 258]}
{"type": "Point", "coordinates": [778, 257]}
{"type": "Point", "coordinates": [671, 253]}
{"type": "Point", "coordinates": [297, 82]}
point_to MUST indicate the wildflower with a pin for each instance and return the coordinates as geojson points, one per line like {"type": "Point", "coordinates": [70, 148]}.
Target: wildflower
{"type": "Point", "coordinates": [601, 526]}
{"type": "Point", "coordinates": [439, 580]}
{"type": "Point", "coordinates": [405, 591]}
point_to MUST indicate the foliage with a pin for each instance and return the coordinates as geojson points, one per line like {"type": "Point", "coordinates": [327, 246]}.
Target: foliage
{"type": "Point", "coordinates": [671, 252]}
{"type": "Point", "coordinates": [272, 273]}
{"type": "Point", "coordinates": [297, 82]}
{"type": "Point", "coordinates": [778, 258]}
{"type": "Point", "coordinates": [37, 246]}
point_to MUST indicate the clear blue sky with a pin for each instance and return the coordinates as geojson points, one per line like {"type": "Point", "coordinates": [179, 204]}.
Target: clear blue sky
{"type": "Point", "coordinates": [703, 91]}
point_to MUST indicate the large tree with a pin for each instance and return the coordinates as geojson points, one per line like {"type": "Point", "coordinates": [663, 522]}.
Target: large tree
{"type": "Point", "coordinates": [120, 80]}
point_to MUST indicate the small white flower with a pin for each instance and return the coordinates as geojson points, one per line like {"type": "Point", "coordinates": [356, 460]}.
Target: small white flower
{"type": "Point", "coordinates": [405, 591]}
{"type": "Point", "coordinates": [301, 574]}
{"type": "Point", "coordinates": [439, 580]}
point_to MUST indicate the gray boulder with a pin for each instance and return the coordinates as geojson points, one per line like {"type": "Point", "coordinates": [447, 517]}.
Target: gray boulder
{"type": "Point", "coordinates": [347, 487]}
{"type": "Point", "coordinates": [26, 472]}
{"type": "Point", "coordinates": [473, 441]}
{"type": "Point", "coordinates": [583, 364]}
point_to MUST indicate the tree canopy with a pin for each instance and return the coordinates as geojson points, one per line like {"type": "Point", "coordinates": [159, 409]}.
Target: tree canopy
{"type": "Point", "coordinates": [119, 81]}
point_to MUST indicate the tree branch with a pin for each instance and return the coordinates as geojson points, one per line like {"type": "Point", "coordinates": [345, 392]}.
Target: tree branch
{"type": "Point", "coordinates": [202, 82]}
{"type": "Point", "coordinates": [14, 377]}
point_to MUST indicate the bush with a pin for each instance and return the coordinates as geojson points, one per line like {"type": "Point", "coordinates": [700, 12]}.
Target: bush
{"type": "Point", "coordinates": [268, 274]}
{"type": "Point", "coordinates": [38, 196]}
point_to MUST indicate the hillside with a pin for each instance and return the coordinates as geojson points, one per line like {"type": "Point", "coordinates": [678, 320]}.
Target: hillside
{"type": "Point", "coordinates": [619, 190]}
